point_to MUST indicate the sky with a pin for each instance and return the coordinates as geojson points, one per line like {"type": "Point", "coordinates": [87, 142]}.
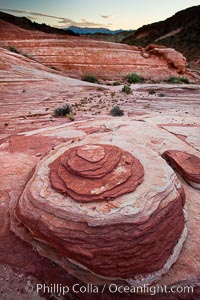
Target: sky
{"type": "Point", "coordinates": [112, 14]}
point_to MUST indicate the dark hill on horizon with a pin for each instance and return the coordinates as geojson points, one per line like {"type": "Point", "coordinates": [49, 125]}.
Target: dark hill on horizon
{"type": "Point", "coordinates": [181, 32]}
{"type": "Point", "coordinates": [25, 23]}
{"type": "Point", "coordinates": [93, 30]}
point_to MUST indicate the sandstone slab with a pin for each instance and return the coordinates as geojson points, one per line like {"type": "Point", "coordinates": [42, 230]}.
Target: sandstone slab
{"type": "Point", "coordinates": [188, 165]}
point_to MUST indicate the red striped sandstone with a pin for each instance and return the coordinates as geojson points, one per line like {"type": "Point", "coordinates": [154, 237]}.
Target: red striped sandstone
{"type": "Point", "coordinates": [188, 165]}
{"type": "Point", "coordinates": [26, 110]}
{"type": "Point", "coordinates": [96, 172]}
{"type": "Point", "coordinates": [137, 235]}
{"type": "Point", "coordinates": [78, 56]}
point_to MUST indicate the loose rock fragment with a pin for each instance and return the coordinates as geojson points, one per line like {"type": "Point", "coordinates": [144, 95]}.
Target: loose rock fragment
{"type": "Point", "coordinates": [188, 165]}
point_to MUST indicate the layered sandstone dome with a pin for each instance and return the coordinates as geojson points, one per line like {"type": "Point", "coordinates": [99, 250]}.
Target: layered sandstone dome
{"type": "Point", "coordinates": [110, 207]}
{"type": "Point", "coordinates": [96, 172]}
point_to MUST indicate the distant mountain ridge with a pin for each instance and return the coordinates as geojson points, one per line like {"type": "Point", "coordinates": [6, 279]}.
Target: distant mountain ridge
{"type": "Point", "coordinates": [87, 30]}
{"type": "Point", "coordinates": [181, 31]}
{"type": "Point", "coordinates": [25, 23]}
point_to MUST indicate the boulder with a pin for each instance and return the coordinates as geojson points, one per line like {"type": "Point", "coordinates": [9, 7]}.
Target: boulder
{"type": "Point", "coordinates": [114, 210]}
{"type": "Point", "coordinates": [188, 165]}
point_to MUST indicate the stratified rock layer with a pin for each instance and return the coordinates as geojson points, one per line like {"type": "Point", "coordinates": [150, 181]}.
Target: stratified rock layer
{"type": "Point", "coordinates": [96, 172]}
{"type": "Point", "coordinates": [188, 165]}
{"type": "Point", "coordinates": [137, 233]}
{"type": "Point", "coordinates": [78, 56]}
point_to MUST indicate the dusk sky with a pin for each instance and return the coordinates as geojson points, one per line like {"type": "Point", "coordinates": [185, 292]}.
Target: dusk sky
{"type": "Point", "coordinates": [123, 14]}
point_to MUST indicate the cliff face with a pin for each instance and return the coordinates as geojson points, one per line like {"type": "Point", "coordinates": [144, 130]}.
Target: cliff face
{"type": "Point", "coordinates": [180, 32]}
{"type": "Point", "coordinates": [78, 56]}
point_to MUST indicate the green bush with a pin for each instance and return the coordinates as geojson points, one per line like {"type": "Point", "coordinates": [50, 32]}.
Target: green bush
{"type": "Point", "coordinates": [117, 82]}
{"type": "Point", "coordinates": [174, 79]}
{"type": "Point", "coordinates": [64, 111]}
{"type": "Point", "coordinates": [126, 89]}
{"type": "Point", "coordinates": [161, 95]}
{"type": "Point", "coordinates": [90, 78]}
{"type": "Point", "coordinates": [13, 49]}
{"type": "Point", "coordinates": [116, 111]}
{"type": "Point", "coordinates": [184, 80]}
{"type": "Point", "coordinates": [134, 78]}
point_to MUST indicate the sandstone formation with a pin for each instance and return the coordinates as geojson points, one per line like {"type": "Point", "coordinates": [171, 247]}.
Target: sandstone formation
{"type": "Point", "coordinates": [184, 272]}
{"type": "Point", "coordinates": [96, 172]}
{"type": "Point", "coordinates": [106, 222]}
{"type": "Point", "coordinates": [30, 135]}
{"type": "Point", "coordinates": [173, 58]}
{"type": "Point", "coordinates": [188, 165]}
{"type": "Point", "coordinates": [78, 56]}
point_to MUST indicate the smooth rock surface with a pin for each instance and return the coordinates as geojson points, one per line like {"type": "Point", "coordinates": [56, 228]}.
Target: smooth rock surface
{"type": "Point", "coordinates": [188, 165]}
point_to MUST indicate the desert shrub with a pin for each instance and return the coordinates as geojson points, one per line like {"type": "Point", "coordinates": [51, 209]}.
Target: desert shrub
{"type": "Point", "coordinates": [184, 80]}
{"type": "Point", "coordinates": [126, 89]}
{"type": "Point", "coordinates": [90, 78]}
{"type": "Point", "coordinates": [63, 111]}
{"type": "Point", "coordinates": [116, 111]}
{"type": "Point", "coordinates": [134, 78]}
{"type": "Point", "coordinates": [174, 79]}
{"type": "Point", "coordinates": [152, 92]}
{"type": "Point", "coordinates": [161, 95]}
{"type": "Point", "coordinates": [13, 49]}
{"type": "Point", "coordinates": [117, 82]}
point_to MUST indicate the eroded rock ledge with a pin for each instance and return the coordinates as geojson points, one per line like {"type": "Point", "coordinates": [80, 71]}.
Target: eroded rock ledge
{"type": "Point", "coordinates": [187, 164]}
{"type": "Point", "coordinates": [138, 234]}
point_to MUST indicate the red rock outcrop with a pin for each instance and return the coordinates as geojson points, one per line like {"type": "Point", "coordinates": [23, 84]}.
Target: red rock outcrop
{"type": "Point", "coordinates": [96, 172]}
{"type": "Point", "coordinates": [135, 235]}
{"type": "Point", "coordinates": [173, 58]}
{"type": "Point", "coordinates": [185, 272]}
{"type": "Point", "coordinates": [188, 165]}
{"type": "Point", "coordinates": [154, 123]}
{"type": "Point", "coordinates": [78, 56]}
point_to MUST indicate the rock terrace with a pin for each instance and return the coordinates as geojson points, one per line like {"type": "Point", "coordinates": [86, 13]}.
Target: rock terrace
{"type": "Point", "coordinates": [96, 172]}
{"type": "Point", "coordinates": [188, 165]}
{"type": "Point", "coordinates": [77, 56]}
